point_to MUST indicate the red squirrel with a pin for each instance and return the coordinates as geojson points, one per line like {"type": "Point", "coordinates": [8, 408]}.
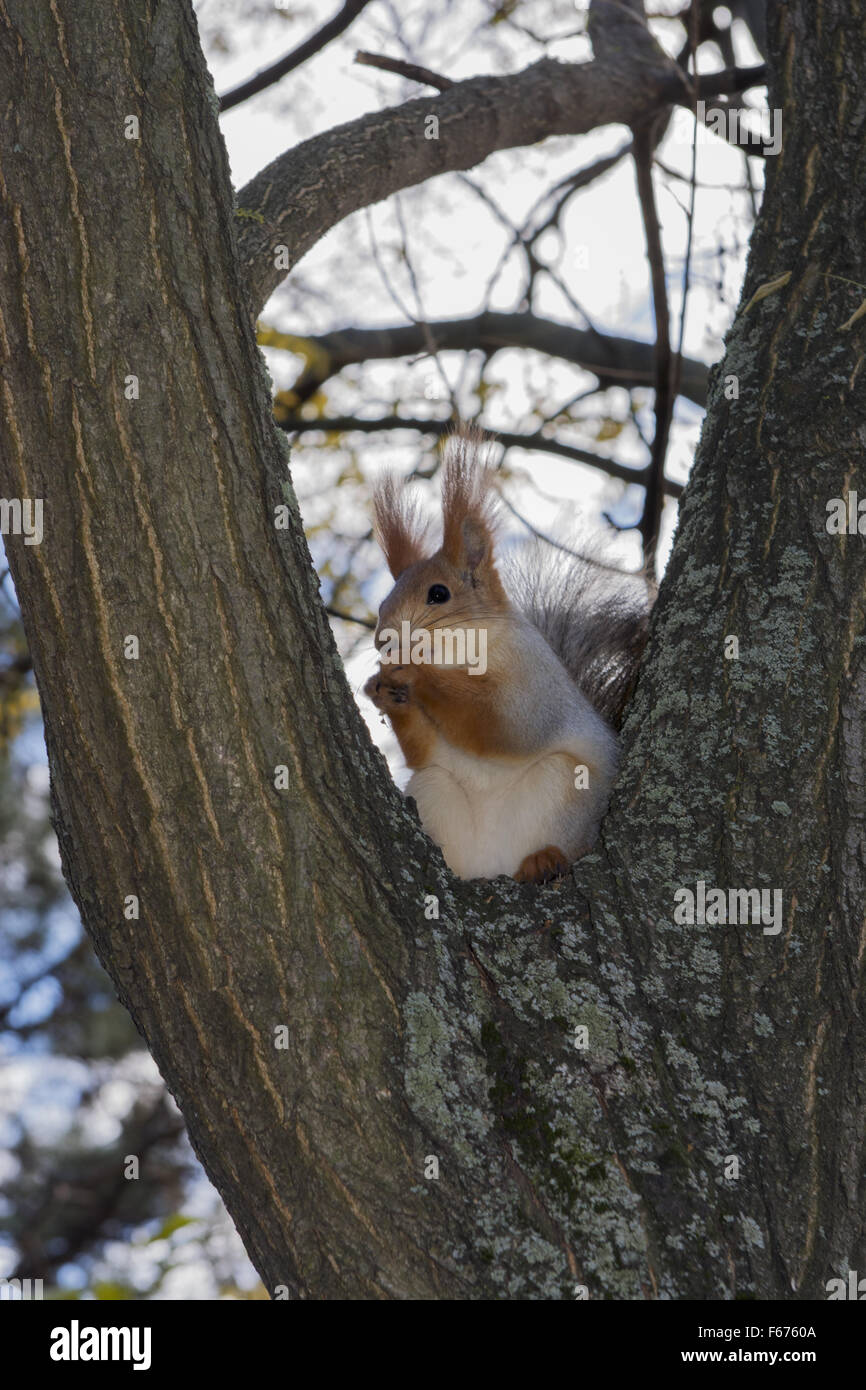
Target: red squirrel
{"type": "Point", "coordinates": [502, 692]}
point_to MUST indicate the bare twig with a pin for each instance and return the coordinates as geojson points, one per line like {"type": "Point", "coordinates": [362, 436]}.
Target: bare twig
{"type": "Point", "coordinates": [672, 173]}
{"type": "Point", "coordinates": [678, 361]}
{"type": "Point", "coordinates": [559, 545]}
{"type": "Point", "coordinates": [732, 129]}
{"type": "Point", "coordinates": [730, 80]}
{"type": "Point", "coordinates": [651, 519]}
{"type": "Point", "coordinates": [314, 44]}
{"type": "Point", "coordinates": [404, 69]}
{"type": "Point", "coordinates": [345, 423]}
{"type": "Point", "coordinates": [417, 320]}
{"type": "Point", "coordinates": [578, 180]}
{"type": "Point", "coordinates": [351, 618]}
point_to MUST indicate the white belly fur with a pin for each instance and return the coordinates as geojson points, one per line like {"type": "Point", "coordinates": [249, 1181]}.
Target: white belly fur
{"type": "Point", "coordinates": [488, 814]}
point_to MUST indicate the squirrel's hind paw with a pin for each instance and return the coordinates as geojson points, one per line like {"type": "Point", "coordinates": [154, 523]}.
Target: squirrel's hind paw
{"type": "Point", "coordinates": [544, 865]}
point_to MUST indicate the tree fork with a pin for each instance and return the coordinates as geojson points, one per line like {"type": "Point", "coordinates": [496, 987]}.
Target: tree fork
{"type": "Point", "coordinates": [311, 908]}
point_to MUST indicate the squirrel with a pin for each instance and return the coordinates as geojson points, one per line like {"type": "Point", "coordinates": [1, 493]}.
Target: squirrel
{"type": "Point", "coordinates": [504, 687]}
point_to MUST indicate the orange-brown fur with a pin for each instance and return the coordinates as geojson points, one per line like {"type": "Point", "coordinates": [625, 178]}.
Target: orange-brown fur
{"type": "Point", "coordinates": [400, 530]}
{"type": "Point", "coordinates": [491, 751]}
{"type": "Point", "coordinates": [443, 696]}
{"type": "Point", "coordinates": [445, 699]}
{"type": "Point", "coordinates": [542, 866]}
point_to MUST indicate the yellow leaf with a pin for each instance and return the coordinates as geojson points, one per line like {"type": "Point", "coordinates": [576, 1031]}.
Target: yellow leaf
{"type": "Point", "coordinates": [608, 429]}
{"type": "Point", "coordinates": [315, 358]}
{"type": "Point", "coordinates": [172, 1224]}
{"type": "Point", "coordinates": [111, 1292]}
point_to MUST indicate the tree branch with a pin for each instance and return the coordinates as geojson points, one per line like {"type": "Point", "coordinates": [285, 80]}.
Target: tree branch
{"type": "Point", "coordinates": [344, 617]}
{"type": "Point", "coordinates": [651, 519]}
{"type": "Point", "coordinates": [730, 80]}
{"type": "Point", "coordinates": [740, 138]}
{"type": "Point", "coordinates": [342, 424]}
{"type": "Point", "coordinates": [314, 44]}
{"type": "Point", "coordinates": [403, 69]}
{"type": "Point", "coordinates": [614, 360]}
{"type": "Point", "coordinates": [307, 190]}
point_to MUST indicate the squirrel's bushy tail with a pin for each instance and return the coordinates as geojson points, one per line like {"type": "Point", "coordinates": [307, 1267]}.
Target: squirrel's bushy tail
{"type": "Point", "coordinates": [594, 618]}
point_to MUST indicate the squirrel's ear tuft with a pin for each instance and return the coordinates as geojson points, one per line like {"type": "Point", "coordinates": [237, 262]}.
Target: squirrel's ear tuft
{"type": "Point", "coordinates": [477, 544]}
{"type": "Point", "coordinates": [468, 502]}
{"type": "Point", "coordinates": [400, 529]}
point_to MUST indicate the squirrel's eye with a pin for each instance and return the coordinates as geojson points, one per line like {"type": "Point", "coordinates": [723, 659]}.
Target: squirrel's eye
{"type": "Point", "coordinates": [438, 594]}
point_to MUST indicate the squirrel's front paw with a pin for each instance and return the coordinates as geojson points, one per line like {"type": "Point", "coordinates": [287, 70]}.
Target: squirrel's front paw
{"type": "Point", "coordinates": [544, 865]}
{"type": "Point", "coordinates": [388, 687]}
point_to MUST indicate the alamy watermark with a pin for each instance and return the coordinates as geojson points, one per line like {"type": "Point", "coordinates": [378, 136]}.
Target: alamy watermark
{"type": "Point", "coordinates": [732, 123]}
{"type": "Point", "coordinates": [711, 907]}
{"type": "Point", "coordinates": [15, 1290]}
{"type": "Point", "coordinates": [853, 1287]}
{"type": "Point", "coordinates": [22, 516]}
{"type": "Point", "coordinates": [846, 516]}
{"type": "Point", "coordinates": [444, 646]}
{"type": "Point", "coordinates": [77, 1343]}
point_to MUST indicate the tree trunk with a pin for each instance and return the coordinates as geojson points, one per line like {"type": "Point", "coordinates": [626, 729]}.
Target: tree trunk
{"type": "Point", "coordinates": [306, 908]}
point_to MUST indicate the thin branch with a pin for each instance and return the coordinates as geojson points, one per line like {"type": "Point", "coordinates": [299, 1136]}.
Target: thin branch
{"type": "Point", "coordinates": [730, 80]}
{"type": "Point", "coordinates": [558, 545]}
{"type": "Point", "coordinates": [614, 360]}
{"type": "Point", "coordinates": [404, 69]}
{"type": "Point", "coordinates": [651, 519]}
{"type": "Point", "coordinates": [314, 44]}
{"type": "Point", "coordinates": [678, 361]}
{"type": "Point", "coordinates": [521, 236]}
{"type": "Point", "coordinates": [672, 173]}
{"type": "Point", "coordinates": [344, 424]}
{"type": "Point", "coordinates": [416, 320]}
{"type": "Point", "coordinates": [562, 410]}
{"type": "Point", "coordinates": [369, 623]}
{"type": "Point", "coordinates": [578, 180]}
{"type": "Point", "coordinates": [420, 317]}
{"type": "Point", "coordinates": [738, 135]}
{"type": "Point", "coordinates": [517, 235]}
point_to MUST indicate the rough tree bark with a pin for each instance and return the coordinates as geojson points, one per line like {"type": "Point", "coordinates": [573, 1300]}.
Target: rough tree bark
{"type": "Point", "coordinates": [305, 907]}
